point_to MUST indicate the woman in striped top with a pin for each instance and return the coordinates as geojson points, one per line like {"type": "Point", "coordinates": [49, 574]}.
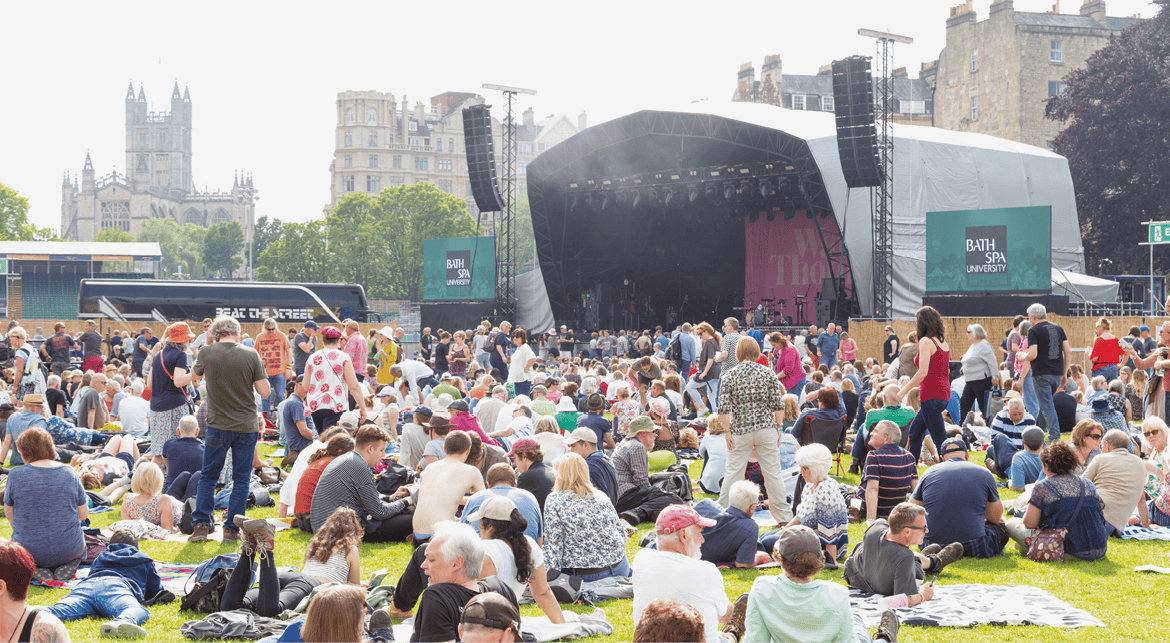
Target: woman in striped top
{"type": "Point", "coordinates": [332, 556]}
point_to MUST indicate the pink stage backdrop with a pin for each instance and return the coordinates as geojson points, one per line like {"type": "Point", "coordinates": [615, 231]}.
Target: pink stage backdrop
{"type": "Point", "coordinates": [784, 259]}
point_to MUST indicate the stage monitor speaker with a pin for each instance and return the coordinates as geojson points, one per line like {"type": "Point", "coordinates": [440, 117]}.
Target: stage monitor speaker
{"type": "Point", "coordinates": [856, 134]}
{"type": "Point", "coordinates": [481, 158]}
{"type": "Point", "coordinates": [829, 290]}
{"type": "Point", "coordinates": [825, 310]}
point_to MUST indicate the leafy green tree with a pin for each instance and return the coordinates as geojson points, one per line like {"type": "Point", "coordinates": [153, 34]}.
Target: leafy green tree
{"type": "Point", "coordinates": [358, 245]}
{"type": "Point", "coordinates": [298, 254]}
{"type": "Point", "coordinates": [264, 232]}
{"type": "Point", "coordinates": [110, 235]}
{"type": "Point", "coordinates": [182, 246]}
{"type": "Point", "coordinates": [14, 224]}
{"type": "Point", "coordinates": [1117, 110]}
{"type": "Point", "coordinates": [522, 229]}
{"type": "Point", "coordinates": [222, 248]}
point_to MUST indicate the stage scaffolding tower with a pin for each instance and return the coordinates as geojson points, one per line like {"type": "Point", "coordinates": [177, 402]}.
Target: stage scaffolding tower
{"type": "Point", "coordinates": [883, 194]}
{"type": "Point", "coordinates": [505, 229]}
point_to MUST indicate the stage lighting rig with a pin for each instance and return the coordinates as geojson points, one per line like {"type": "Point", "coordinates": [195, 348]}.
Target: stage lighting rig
{"type": "Point", "coordinates": [765, 187]}
{"type": "Point", "coordinates": [745, 189]}
{"type": "Point", "coordinates": [693, 193]}
{"type": "Point", "coordinates": [667, 196]}
{"type": "Point", "coordinates": [711, 192]}
{"type": "Point", "coordinates": [728, 191]}
{"type": "Point", "coordinates": [789, 210]}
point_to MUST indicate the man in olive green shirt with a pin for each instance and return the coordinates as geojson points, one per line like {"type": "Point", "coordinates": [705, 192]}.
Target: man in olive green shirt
{"type": "Point", "coordinates": [233, 371]}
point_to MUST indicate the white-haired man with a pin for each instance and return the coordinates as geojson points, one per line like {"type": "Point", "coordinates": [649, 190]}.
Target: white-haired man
{"type": "Point", "coordinates": [1007, 436]}
{"type": "Point", "coordinates": [733, 537]}
{"type": "Point", "coordinates": [134, 412]}
{"type": "Point", "coordinates": [1048, 355]}
{"type": "Point", "coordinates": [675, 570]}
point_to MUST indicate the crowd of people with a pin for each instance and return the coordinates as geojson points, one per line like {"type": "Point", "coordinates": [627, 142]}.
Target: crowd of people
{"type": "Point", "coordinates": [516, 466]}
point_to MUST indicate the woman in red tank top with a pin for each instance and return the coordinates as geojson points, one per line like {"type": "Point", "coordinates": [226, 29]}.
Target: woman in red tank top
{"type": "Point", "coordinates": [932, 380]}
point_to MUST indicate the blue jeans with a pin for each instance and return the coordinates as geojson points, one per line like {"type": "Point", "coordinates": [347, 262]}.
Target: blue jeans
{"type": "Point", "coordinates": [1046, 386]}
{"type": "Point", "coordinates": [692, 389]}
{"type": "Point", "coordinates": [106, 596]}
{"type": "Point", "coordinates": [930, 419]}
{"type": "Point", "coordinates": [1110, 373]}
{"type": "Point", "coordinates": [1031, 405]}
{"type": "Point", "coordinates": [277, 383]}
{"type": "Point", "coordinates": [684, 368]}
{"type": "Point", "coordinates": [795, 390]}
{"type": "Point", "coordinates": [621, 570]}
{"type": "Point", "coordinates": [215, 449]}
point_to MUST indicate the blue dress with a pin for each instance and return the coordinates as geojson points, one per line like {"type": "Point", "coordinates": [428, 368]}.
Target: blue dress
{"type": "Point", "coordinates": [1057, 499]}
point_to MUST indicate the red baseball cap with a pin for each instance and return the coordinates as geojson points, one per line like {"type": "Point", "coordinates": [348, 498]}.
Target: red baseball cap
{"type": "Point", "coordinates": [678, 517]}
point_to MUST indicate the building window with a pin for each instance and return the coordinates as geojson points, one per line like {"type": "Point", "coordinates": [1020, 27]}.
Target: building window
{"type": "Point", "coordinates": [142, 137]}
{"type": "Point", "coordinates": [438, 144]}
{"type": "Point", "coordinates": [349, 115]}
{"type": "Point", "coordinates": [373, 139]}
{"type": "Point", "coordinates": [162, 137]}
{"type": "Point", "coordinates": [1055, 88]}
{"type": "Point", "coordinates": [912, 106]}
{"type": "Point", "coordinates": [413, 126]}
{"type": "Point", "coordinates": [373, 160]}
{"type": "Point", "coordinates": [347, 183]}
{"type": "Point", "coordinates": [220, 217]}
{"type": "Point", "coordinates": [827, 104]}
{"type": "Point", "coordinates": [443, 165]}
{"type": "Point", "coordinates": [348, 160]}
{"type": "Point", "coordinates": [445, 186]}
{"type": "Point", "coordinates": [974, 108]}
{"type": "Point", "coordinates": [1056, 51]}
{"type": "Point", "coordinates": [798, 101]}
{"type": "Point", "coordinates": [374, 184]}
{"type": "Point", "coordinates": [416, 142]}
{"type": "Point", "coordinates": [349, 139]}
{"type": "Point", "coordinates": [526, 149]}
{"type": "Point", "coordinates": [420, 163]}
{"type": "Point", "coordinates": [450, 145]}
{"type": "Point", "coordinates": [396, 161]}
{"type": "Point", "coordinates": [116, 215]}
{"type": "Point", "coordinates": [396, 181]}
{"type": "Point", "coordinates": [143, 163]}
{"type": "Point", "coordinates": [975, 61]}
{"type": "Point", "coordinates": [371, 115]}
{"type": "Point", "coordinates": [467, 189]}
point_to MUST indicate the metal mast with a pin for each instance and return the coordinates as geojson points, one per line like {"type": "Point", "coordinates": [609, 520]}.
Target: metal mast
{"type": "Point", "coordinates": [504, 229]}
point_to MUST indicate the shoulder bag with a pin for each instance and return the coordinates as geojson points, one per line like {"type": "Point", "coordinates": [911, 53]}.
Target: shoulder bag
{"type": "Point", "coordinates": [186, 395]}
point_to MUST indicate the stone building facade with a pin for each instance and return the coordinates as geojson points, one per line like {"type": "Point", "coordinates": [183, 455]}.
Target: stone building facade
{"type": "Point", "coordinates": [995, 76]}
{"type": "Point", "coordinates": [912, 102]}
{"type": "Point", "coordinates": [157, 182]}
{"type": "Point", "coordinates": [382, 143]}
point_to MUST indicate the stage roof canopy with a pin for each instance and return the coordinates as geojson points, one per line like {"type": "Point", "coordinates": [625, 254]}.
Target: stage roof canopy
{"type": "Point", "coordinates": [80, 251]}
{"type": "Point", "coordinates": [934, 170]}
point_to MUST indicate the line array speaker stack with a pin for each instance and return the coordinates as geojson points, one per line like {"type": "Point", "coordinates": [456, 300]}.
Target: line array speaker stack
{"type": "Point", "coordinates": [481, 159]}
{"type": "Point", "coordinates": [856, 134]}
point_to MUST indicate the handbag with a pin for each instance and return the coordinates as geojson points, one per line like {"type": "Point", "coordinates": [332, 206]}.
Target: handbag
{"type": "Point", "coordinates": [1048, 544]}
{"type": "Point", "coordinates": [186, 395]}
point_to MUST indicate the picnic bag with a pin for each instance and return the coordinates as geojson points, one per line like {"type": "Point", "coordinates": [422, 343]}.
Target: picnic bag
{"type": "Point", "coordinates": [205, 596]}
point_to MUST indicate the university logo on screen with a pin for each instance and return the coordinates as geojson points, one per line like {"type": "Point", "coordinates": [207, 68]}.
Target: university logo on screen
{"type": "Point", "coordinates": [987, 250]}
{"type": "Point", "coordinates": [458, 268]}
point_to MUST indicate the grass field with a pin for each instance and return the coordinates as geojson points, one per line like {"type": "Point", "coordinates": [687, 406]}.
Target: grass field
{"type": "Point", "coordinates": [1108, 588]}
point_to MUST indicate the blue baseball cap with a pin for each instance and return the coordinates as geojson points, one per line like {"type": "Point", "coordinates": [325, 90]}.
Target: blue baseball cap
{"type": "Point", "coordinates": [311, 324]}
{"type": "Point", "coordinates": [1143, 328]}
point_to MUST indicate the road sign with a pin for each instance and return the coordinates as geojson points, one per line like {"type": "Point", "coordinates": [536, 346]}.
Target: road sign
{"type": "Point", "coordinates": [1159, 232]}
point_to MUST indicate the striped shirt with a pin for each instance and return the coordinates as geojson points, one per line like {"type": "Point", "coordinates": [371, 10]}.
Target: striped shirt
{"type": "Point", "coordinates": [1003, 424]}
{"type": "Point", "coordinates": [895, 469]}
{"type": "Point", "coordinates": [348, 482]}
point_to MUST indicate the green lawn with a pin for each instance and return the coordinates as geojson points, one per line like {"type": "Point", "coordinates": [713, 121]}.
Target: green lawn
{"type": "Point", "coordinates": [1109, 589]}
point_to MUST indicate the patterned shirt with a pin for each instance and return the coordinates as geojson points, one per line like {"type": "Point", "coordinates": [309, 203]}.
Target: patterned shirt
{"type": "Point", "coordinates": [359, 349]}
{"type": "Point", "coordinates": [750, 393]}
{"type": "Point", "coordinates": [824, 512]}
{"type": "Point", "coordinates": [581, 532]}
{"type": "Point", "coordinates": [728, 346]}
{"type": "Point", "coordinates": [633, 466]}
{"type": "Point", "coordinates": [895, 470]}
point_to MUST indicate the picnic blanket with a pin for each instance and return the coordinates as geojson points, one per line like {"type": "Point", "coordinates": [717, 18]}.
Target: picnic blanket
{"type": "Point", "coordinates": [1134, 532]}
{"type": "Point", "coordinates": [173, 575]}
{"type": "Point", "coordinates": [967, 605]}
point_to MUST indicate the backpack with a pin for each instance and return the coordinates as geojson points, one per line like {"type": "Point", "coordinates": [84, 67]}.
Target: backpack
{"type": "Point", "coordinates": [206, 595]}
{"type": "Point", "coordinates": [674, 349]}
{"type": "Point", "coordinates": [393, 477]}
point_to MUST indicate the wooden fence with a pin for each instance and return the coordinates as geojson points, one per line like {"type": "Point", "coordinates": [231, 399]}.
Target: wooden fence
{"type": "Point", "coordinates": [74, 326]}
{"type": "Point", "coordinates": [870, 335]}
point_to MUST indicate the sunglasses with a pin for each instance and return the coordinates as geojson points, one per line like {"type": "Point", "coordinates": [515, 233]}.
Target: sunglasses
{"type": "Point", "coordinates": [924, 529]}
{"type": "Point", "coordinates": [1095, 436]}
{"type": "Point", "coordinates": [1149, 433]}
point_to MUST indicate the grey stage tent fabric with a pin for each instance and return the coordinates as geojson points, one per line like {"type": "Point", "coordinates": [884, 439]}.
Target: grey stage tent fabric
{"type": "Point", "coordinates": [533, 310]}
{"type": "Point", "coordinates": [1081, 288]}
{"type": "Point", "coordinates": [934, 170]}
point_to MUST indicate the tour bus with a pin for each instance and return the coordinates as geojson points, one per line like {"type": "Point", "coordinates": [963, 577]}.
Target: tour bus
{"type": "Point", "coordinates": [147, 300]}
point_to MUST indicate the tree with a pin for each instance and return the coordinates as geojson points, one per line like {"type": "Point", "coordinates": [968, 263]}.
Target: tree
{"type": "Point", "coordinates": [297, 255]}
{"type": "Point", "coordinates": [264, 232]}
{"type": "Point", "coordinates": [222, 248]}
{"type": "Point", "coordinates": [1118, 113]}
{"type": "Point", "coordinates": [181, 246]}
{"type": "Point", "coordinates": [14, 224]}
{"type": "Point", "coordinates": [359, 247]}
{"type": "Point", "coordinates": [110, 235]}
{"type": "Point", "coordinates": [522, 229]}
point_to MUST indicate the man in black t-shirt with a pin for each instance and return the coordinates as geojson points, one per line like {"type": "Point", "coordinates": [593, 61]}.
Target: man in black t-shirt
{"type": "Point", "coordinates": [56, 349]}
{"type": "Point", "coordinates": [425, 342]}
{"type": "Point", "coordinates": [54, 397]}
{"type": "Point", "coordinates": [451, 582]}
{"type": "Point", "coordinates": [566, 341]}
{"type": "Point", "coordinates": [1050, 354]}
{"type": "Point", "coordinates": [890, 346]}
{"type": "Point", "coordinates": [441, 350]}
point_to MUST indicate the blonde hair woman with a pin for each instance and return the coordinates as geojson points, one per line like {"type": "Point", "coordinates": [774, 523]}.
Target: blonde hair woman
{"type": "Point", "coordinates": [147, 502]}
{"type": "Point", "coordinates": [581, 528]}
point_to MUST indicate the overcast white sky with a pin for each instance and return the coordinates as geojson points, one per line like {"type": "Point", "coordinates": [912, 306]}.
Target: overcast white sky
{"type": "Point", "coordinates": [264, 76]}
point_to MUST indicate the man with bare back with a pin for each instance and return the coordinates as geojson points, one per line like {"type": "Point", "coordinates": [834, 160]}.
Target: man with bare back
{"type": "Point", "coordinates": [444, 485]}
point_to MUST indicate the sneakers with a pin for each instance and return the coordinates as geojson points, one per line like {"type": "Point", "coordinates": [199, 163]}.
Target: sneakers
{"type": "Point", "coordinates": [123, 630]}
{"type": "Point", "coordinates": [630, 517]}
{"type": "Point", "coordinates": [735, 623]}
{"type": "Point", "coordinates": [199, 534]}
{"type": "Point", "coordinates": [855, 514]}
{"type": "Point", "coordinates": [931, 550]}
{"type": "Point", "coordinates": [948, 555]}
{"type": "Point", "coordinates": [260, 533]}
{"type": "Point", "coordinates": [231, 536]}
{"type": "Point", "coordinates": [380, 620]}
{"type": "Point", "coordinates": [888, 628]}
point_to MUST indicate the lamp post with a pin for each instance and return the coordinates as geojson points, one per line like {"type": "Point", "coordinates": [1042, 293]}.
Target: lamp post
{"type": "Point", "coordinates": [249, 196]}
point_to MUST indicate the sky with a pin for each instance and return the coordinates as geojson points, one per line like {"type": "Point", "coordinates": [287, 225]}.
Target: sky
{"type": "Point", "coordinates": [264, 76]}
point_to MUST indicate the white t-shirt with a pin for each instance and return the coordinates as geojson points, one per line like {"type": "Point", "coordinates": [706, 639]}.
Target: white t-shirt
{"type": "Point", "coordinates": [501, 554]}
{"type": "Point", "coordinates": [520, 359]}
{"type": "Point", "coordinates": [134, 412]}
{"type": "Point", "coordinates": [288, 491]}
{"type": "Point", "coordinates": [698, 583]}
